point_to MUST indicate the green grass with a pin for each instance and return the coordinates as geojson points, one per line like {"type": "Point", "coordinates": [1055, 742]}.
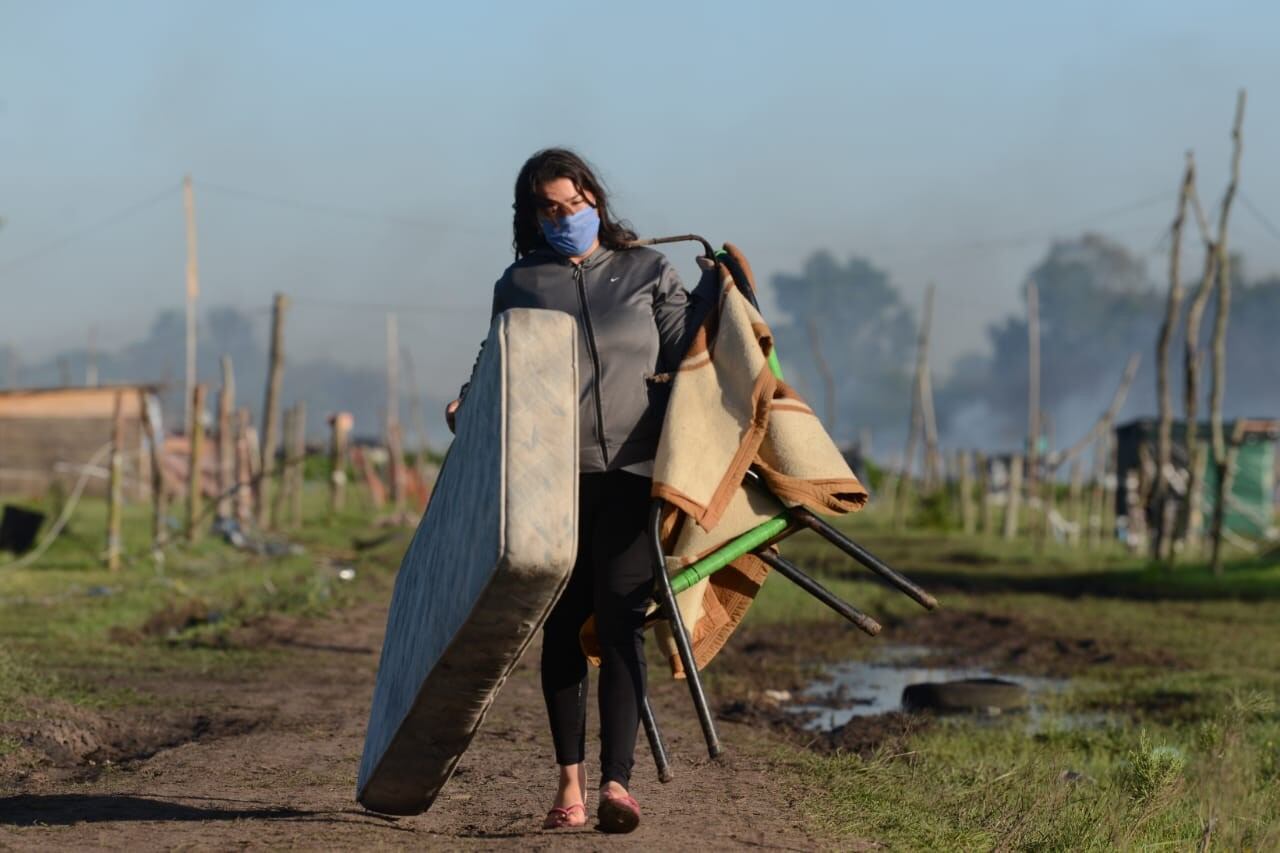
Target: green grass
{"type": "Point", "coordinates": [1164, 752]}
{"type": "Point", "coordinates": [73, 631]}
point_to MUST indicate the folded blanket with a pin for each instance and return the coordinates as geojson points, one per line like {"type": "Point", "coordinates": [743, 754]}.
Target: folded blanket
{"type": "Point", "coordinates": [730, 412]}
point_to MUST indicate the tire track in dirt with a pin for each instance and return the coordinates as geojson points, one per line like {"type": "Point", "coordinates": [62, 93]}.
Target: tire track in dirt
{"type": "Point", "coordinates": [287, 780]}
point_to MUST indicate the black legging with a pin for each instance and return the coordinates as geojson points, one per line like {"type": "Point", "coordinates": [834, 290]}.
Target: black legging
{"type": "Point", "coordinates": [612, 578]}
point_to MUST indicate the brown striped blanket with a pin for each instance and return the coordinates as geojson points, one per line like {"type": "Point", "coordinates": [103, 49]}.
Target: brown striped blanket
{"type": "Point", "coordinates": [729, 413]}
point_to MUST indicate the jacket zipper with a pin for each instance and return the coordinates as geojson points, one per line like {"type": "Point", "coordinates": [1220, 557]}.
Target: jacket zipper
{"type": "Point", "coordinates": [580, 278]}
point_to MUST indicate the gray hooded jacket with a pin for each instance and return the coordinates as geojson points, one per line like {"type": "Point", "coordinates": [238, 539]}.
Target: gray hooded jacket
{"type": "Point", "coordinates": [635, 322]}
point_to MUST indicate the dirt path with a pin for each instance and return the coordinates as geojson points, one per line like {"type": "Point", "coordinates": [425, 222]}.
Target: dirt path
{"type": "Point", "coordinates": [269, 760]}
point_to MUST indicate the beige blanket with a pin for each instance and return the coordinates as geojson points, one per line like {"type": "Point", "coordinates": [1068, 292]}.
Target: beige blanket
{"type": "Point", "coordinates": [729, 413]}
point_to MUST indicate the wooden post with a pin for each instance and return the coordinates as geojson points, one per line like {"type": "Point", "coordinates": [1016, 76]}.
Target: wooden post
{"type": "Point", "coordinates": [1162, 502]}
{"type": "Point", "coordinates": [226, 441]}
{"type": "Point", "coordinates": [1111, 482]}
{"type": "Point", "coordinates": [155, 438]}
{"type": "Point", "coordinates": [271, 411]}
{"type": "Point", "coordinates": [1219, 345]}
{"type": "Point", "coordinates": [193, 291]}
{"type": "Point", "coordinates": [340, 423]}
{"type": "Point", "coordinates": [986, 508]}
{"type": "Point", "coordinates": [115, 503]}
{"type": "Point", "coordinates": [967, 512]}
{"type": "Point", "coordinates": [244, 468]}
{"type": "Point", "coordinates": [1014, 502]}
{"type": "Point", "coordinates": [195, 479]}
{"type": "Point", "coordinates": [1227, 473]}
{"type": "Point", "coordinates": [297, 471]}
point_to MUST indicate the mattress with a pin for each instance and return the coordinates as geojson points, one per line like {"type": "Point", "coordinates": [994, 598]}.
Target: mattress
{"type": "Point", "coordinates": [489, 559]}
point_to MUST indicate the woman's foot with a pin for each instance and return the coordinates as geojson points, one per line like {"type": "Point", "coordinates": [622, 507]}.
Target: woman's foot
{"type": "Point", "coordinates": [561, 817]}
{"type": "Point", "coordinates": [618, 811]}
{"type": "Point", "coordinates": [569, 809]}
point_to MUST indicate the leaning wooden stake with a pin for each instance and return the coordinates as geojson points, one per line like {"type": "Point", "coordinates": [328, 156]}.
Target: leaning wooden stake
{"type": "Point", "coordinates": [967, 513]}
{"type": "Point", "coordinates": [1163, 505]}
{"type": "Point", "coordinates": [271, 411]}
{"type": "Point", "coordinates": [1015, 497]}
{"type": "Point", "coordinates": [226, 441]}
{"type": "Point", "coordinates": [1219, 345]}
{"type": "Point", "coordinates": [195, 483]}
{"type": "Point", "coordinates": [115, 491]}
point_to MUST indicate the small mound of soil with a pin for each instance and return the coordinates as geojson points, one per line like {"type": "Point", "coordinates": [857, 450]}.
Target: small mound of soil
{"type": "Point", "coordinates": [76, 743]}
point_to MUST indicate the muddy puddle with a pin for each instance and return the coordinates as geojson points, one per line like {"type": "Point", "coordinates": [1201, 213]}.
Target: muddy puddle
{"type": "Point", "coordinates": [876, 686]}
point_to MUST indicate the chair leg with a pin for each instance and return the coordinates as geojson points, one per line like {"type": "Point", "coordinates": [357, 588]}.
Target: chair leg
{"type": "Point", "coordinates": [655, 741]}
{"type": "Point", "coordinates": [793, 573]}
{"type": "Point", "coordinates": [863, 556]}
{"type": "Point", "coordinates": [672, 612]}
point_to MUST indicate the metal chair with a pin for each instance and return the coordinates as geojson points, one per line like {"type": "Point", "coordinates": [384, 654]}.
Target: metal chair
{"type": "Point", "coordinates": [758, 541]}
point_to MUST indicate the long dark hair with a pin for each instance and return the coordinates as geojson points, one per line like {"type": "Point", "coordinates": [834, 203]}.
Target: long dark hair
{"type": "Point", "coordinates": [543, 167]}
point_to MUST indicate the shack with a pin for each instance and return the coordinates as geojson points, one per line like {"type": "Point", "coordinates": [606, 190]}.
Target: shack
{"type": "Point", "coordinates": [54, 435]}
{"type": "Point", "coordinates": [1250, 506]}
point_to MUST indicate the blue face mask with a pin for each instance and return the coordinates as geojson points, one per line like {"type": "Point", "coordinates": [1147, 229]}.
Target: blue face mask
{"type": "Point", "coordinates": [573, 235]}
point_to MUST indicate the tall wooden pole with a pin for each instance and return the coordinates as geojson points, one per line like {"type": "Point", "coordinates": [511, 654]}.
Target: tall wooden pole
{"type": "Point", "coordinates": [1162, 497]}
{"type": "Point", "coordinates": [1218, 387]}
{"type": "Point", "coordinates": [271, 411]}
{"type": "Point", "coordinates": [195, 479]}
{"type": "Point", "coordinates": [115, 491]}
{"type": "Point", "coordinates": [226, 441]}
{"type": "Point", "coordinates": [193, 292]}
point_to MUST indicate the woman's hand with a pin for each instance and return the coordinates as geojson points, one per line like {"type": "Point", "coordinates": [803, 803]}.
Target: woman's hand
{"type": "Point", "coordinates": [451, 415]}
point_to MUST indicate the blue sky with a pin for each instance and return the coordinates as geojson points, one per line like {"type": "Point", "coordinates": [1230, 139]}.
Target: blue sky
{"type": "Point", "coordinates": [904, 132]}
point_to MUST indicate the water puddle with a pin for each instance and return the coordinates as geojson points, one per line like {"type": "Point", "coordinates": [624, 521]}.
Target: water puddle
{"type": "Point", "coordinates": [866, 688]}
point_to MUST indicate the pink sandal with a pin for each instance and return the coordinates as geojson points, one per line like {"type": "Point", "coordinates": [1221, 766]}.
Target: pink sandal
{"type": "Point", "coordinates": [559, 818]}
{"type": "Point", "coordinates": [618, 813]}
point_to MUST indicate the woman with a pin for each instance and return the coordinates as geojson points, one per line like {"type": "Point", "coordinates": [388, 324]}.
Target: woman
{"type": "Point", "coordinates": [635, 319]}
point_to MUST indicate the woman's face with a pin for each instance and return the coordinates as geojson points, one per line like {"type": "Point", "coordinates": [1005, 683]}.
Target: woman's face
{"type": "Point", "coordinates": [560, 198]}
